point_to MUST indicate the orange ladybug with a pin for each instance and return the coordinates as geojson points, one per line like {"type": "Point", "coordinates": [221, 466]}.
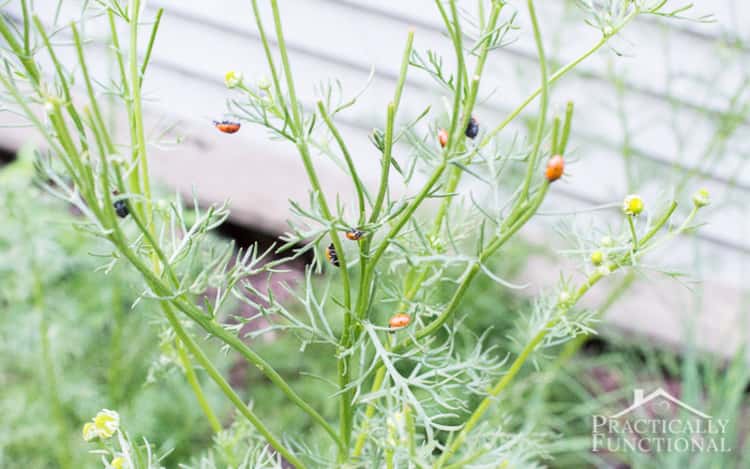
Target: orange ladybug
{"type": "Point", "coordinates": [399, 321]}
{"type": "Point", "coordinates": [228, 127]}
{"type": "Point", "coordinates": [443, 138]}
{"type": "Point", "coordinates": [354, 234]}
{"type": "Point", "coordinates": [331, 255]}
{"type": "Point", "coordinates": [555, 168]}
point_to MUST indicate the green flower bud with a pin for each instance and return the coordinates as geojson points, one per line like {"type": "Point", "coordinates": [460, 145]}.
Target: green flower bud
{"type": "Point", "coordinates": [597, 257]}
{"type": "Point", "coordinates": [701, 198]}
{"type": "Point", "coordinates": [233, 79]}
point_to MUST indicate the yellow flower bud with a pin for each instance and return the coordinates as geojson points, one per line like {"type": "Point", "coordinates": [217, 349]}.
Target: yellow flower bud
{"type": "Point", "coordinates": [233, 79]}
{"type": "Point", "coordinates": [264, 84]}
{"type": "Point", "coordinates": [89, 431]}
{"type": "Point", "coordinates": [607, 242]}
{"type": "Point", "coordinates": [118, 462]}
{"type": "Point", "coordinates": [633, 205]}
{"type": "Point", "coordinates": [701, 198]}
{"type": "Point", "coordinates": [597, 257]}
{"type": "Point", "coordinates": [103, 425]}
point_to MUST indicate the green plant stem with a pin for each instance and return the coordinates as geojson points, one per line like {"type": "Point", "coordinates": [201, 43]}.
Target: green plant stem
{"type": "Point", "coordinates": [269, 58]}
{"type": "Point", "coordinates": [68, 99]}
{"type": "Point", "coordinates": [391, 116]}
{"type": "Point", "coordinates": [139, 135]}
{"type": "Point", "coordinates": [114, 376]}
{"type": "Point", "coordinates": [518, 363]}
{"type": "Point", "coordinates": [359, 187]}
{"type": "Point", "coordinates": [455, 131]}
{"type": "Point", "coordinates": [543, 104]}
{"type": "Point", "coordinates": [192, 379]}
{"type": "Point", "coordinates": [496, 243]}
{"type": "Point", "coordinates": [27, 61]}
{"type": "Point", "coordinates": [64, 456]}
{"type": "Point", "coordinates": [150, 46]}
{"type": "Point", "coordinates": [209, 324]}
{"type": "Point", "coordinates": [344, 365]}
{"type": "Point", "coordinates": [556, 76]}
{"type": "Point", "coordinates": [572, 347]}
{"type": "Point", "coordinates": [205, 362]}
{"type": "Point", "coordinates": [633, 234]}
{"type": "Point", "coordinates": [369, 412]}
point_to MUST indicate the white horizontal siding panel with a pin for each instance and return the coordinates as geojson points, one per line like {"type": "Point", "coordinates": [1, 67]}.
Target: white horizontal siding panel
{"type": "Point", "coordinates": [200, 97]}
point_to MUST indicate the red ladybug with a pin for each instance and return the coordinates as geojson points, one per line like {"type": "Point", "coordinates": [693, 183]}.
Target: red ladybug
{"type": "Point", "coordinates": [228, 127]}
{"type": "Point", "coordinates": [331, 255]}
{"type": "Point", "coordinates": [399, 321]}
{"type": "Point", "coordinates": [555, 168]}
{"type": "Point", "coordinates": [354, 234]}
{"type": "Point", "coordinates": [443, 138]}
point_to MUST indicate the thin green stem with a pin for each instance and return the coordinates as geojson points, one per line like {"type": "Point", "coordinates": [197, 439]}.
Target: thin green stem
{"type": "Point", "coordinates": [344, 366]}
{"type": "Point", "coordinates": [492, 247]}
{"type": "Point", "coordinates": [633, 234]}
{"type": "Point", "coordinates": [348, 158]}
{"type": "Point", "coordinates": [27, 61]}
{"type": "Point", "coordinates": [269, 57]}
{"type": "Point", "coordinates": [205, 362]}
{"type": "Point", "coordinates": [385, 164]}
{"type": "Point", "coordinates": [390, 122]}
{"type": "Point", "coordinates": [556, 76]}
{"type": "Point", "coordinates": [139, 136]}
{"type": "Point", "coordinates": [542, 118]}
{"type": "Point", "coordinates": [369, 412]}
{"type": "Point", "coordinates": [150, 46]}
{"type": "Point", "coordinates": [62, 79]}
{"type": "Point", "coordinates": [94, 103]}
{"type": "Point", "coordinates": [64, 456]}
{"type": "Point", "coordinates": [26, 29]}
{"type": "Point", "coordinates": [192, 379]}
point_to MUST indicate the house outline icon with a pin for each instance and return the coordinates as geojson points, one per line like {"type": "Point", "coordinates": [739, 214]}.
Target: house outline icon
{"type": "Point", "coordinates": [639, 399]}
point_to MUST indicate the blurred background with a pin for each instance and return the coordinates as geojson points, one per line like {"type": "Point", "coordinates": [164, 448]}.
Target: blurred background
{"type": "Point", "coordinates": [661, 112]}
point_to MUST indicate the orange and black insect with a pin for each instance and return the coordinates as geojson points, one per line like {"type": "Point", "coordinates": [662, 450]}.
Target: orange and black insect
{"type": "Point", "coordinates": [472, 130]}
{"type": "Point", "coordinates": [443, 138]}
{"type": "Point", "coordinates": [121, 207]}
{"type": "Point", "coordinates": [228, 127]}
{"type": "Point", "coordinates": [555, 168]}
{"type": "Point", "coordinates": [331, 255]}
{"type": "Point", "coordinates": [354, 234]}
{"type": "Point", "coordinates": [399, 321]}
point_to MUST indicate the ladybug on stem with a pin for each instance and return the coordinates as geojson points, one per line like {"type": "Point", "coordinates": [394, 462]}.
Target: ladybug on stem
{"type": "Point", "coordinates": [354, 234]}
{"type": "Point", "coordinates": [121, 207]}
{"type": "Point", "coordinates": [555, 168]}
{"type": "Point", "coordinates": [472, 130]}
{"type": "Point", "coordinates": [228, 127]}
{"type": "Point", "coordinates": [443, 137]}
{"type": "Point", "coordinates": [331, 255]}
{"type": "Point", "coordinates": [399, 321]}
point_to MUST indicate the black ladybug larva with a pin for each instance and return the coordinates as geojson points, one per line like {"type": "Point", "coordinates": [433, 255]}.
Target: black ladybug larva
{"type": "Point", "coordinates": [331, 255]}
{"type": "Point", "coordinates": [354, 234]}
{"type": "Point", "coordinates": [472, 130]}
{"type": "Point", "coordinates": [121, 208]}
